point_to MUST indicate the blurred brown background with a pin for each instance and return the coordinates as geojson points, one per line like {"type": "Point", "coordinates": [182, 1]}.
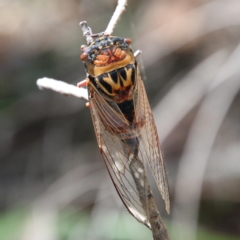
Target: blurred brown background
{"type": "Point", "coordinates": [53, 182]}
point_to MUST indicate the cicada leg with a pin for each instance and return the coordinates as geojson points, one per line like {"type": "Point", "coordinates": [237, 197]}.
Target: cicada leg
{"type": "Point", "coordinates": [81, 84]}
{"type": "Point", "coordinates": [138, 52]}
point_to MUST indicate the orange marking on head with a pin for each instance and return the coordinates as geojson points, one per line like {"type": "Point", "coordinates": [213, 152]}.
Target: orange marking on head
{"type": "Point", "coordinates": [104, 53]}
{"type": "Point", "coordinates": [117, 52]}
{"type": "Point", "coordinates": [108, 56]}
{"type": "Point", "coordinates": [101, 60]}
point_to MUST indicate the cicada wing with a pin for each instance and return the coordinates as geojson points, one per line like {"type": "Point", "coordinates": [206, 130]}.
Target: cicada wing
{"type": "Point", "coordinates": [116, 152]}
{"type": "Point", "coordinates": [149, 146]}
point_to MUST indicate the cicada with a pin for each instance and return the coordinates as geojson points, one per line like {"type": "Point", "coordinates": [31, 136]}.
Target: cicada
{"type": "Point", "coordinates": [123, 121]}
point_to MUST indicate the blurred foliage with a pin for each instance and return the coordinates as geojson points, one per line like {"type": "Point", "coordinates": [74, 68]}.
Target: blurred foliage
{"type": "Point", "coordinates": [75, 225]}
{"type": "Point", "coordinates": [11, 223]}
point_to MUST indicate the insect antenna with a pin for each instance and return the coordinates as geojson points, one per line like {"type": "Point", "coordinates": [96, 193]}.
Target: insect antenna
{"type": "Point", "coordinates": [87, 32]}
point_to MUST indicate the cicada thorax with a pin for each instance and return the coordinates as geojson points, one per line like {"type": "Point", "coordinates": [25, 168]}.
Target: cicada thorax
{"type": "Point", "coordinates": [110, 65]}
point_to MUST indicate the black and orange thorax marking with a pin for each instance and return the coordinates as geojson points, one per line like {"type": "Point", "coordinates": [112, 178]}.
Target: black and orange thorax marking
{"type": "Point", "coordinates": [110, 64]}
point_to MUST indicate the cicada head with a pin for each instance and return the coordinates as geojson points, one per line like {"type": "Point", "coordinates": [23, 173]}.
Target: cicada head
{"type": "Point", "coordinates": [107, 53]}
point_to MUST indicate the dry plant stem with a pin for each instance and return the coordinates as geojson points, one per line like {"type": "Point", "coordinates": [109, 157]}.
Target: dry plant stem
{"type": "Point", "coordinates": [62, 88]}
{"type": "Point", "coordinates": [147, 200]}
{"type": "Point", "coordinates": [115, 17]}
{"type": "Point", "coordinates": [159, 231]}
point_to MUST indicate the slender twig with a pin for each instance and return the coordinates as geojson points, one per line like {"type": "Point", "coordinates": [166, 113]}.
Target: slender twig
{"type": "Point", "coordinates": [115, 17]}
{"type": "Point", "coordinates": [62, 88]}
{"type": "Point", "coordinates": [159, 231]}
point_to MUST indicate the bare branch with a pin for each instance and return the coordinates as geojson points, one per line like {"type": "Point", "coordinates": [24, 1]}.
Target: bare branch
{"type": "Point", "coordinates": [62, 87]}
{"type": "Point", "coordinates": [115, 17]}
{"type": "Point", "coordinates": [146, 197]}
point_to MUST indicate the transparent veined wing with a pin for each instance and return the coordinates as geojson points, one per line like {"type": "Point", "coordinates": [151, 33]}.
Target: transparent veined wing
{"type": "Point", "coordinates": [116, 152]}
{"type": "Point", "coordinates": [149, 145]}
{"type": "Point", "coordinates": [125, 148]}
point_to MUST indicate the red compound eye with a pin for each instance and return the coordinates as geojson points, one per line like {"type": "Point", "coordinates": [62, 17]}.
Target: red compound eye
{"type": "Point", "coordinates": [128, 41]}
{"type": "Point", "coordinates": [84, 56]}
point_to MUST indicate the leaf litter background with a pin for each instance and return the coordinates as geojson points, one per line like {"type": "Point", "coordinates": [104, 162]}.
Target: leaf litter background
{"type": "Point", "coordinates": [53, 182]}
